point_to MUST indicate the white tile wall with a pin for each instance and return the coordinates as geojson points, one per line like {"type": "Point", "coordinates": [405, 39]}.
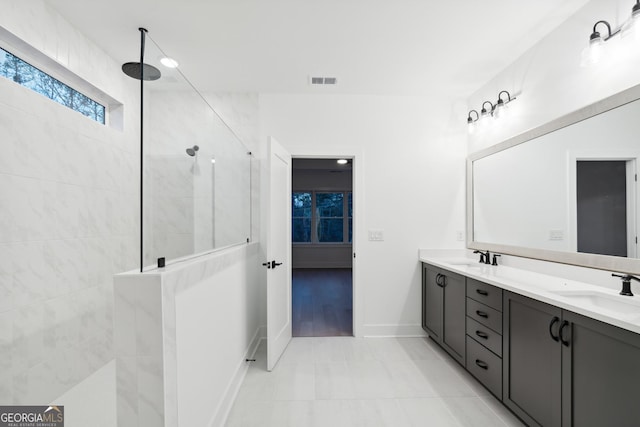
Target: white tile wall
{"type": "Point", "coordinates": [68, 206]}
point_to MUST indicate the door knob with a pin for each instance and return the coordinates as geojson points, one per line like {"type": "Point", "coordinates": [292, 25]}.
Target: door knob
{"type": "Point", "coordinates": [274, 264]}
{"type": "Point", "coordinates": [267, 264]}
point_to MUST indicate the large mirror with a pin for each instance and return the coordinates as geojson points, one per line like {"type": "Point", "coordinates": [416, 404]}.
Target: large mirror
{"type": "Point", "coordinates": [565, 192]}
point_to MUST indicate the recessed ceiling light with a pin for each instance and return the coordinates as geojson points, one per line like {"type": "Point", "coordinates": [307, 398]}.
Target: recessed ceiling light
{"type": "Point", "coordinates": [343, 161]}
{"type": "Point", "coordinates": [169, 63]}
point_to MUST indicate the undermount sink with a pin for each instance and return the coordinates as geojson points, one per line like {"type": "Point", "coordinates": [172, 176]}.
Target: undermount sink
{"type": "Point", "coordinates": [623, 305]}
{"type": "Point", "coordinates": [463, 262]}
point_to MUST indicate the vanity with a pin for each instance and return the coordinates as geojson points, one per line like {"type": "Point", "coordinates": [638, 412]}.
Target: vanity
{"type": "Point", "coordinates": [556, 352]}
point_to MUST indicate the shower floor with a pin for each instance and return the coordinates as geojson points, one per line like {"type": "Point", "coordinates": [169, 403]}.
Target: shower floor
{"type": "Point", "coordinates": [93, 401]}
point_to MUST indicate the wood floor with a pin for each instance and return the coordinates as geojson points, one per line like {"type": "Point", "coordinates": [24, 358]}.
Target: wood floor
{"type": "Point", "coordinates": [322, 302]}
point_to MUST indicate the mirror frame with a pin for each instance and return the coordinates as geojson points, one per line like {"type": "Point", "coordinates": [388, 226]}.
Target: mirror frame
{"type": "Point", "coordinates": [602, 262]}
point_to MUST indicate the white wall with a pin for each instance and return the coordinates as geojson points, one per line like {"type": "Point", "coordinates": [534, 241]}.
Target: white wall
{"type": "Point", "coordinates": [550, 82]}
{"type": "Point", "coordinates": [182, 335]}
{"type": "Point", "coordinates": [67, 215]}
{"type": "Point", "coordinates": [549, 79]}
{"type": "Point", "coordinates": [409, 182]}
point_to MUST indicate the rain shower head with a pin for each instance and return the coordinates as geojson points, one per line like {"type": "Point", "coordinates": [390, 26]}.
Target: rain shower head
{"type": "Point", "coordinates": [192, 150]}
{"type": "Point", "coordinates": [132, 69]}
{"type": "Point", "coordinates": [140, 70]}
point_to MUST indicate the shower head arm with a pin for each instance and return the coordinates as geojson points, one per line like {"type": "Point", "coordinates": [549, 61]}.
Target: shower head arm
{"type": "Point", "coordinates": [143, 33]}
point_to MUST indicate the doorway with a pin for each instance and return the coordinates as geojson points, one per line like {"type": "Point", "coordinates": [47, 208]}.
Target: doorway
{"type": "Point", "coordinates": [321, 247]}
{"type": "Point", "coordinates": [605, 208]}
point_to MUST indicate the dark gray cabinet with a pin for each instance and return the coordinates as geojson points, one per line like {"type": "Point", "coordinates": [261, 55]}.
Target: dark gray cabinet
{"type": "Point", "coordinates": [564, 369]}
{"type": "Point", "coordinates": [443, 309]}
{"type": "Point", "coordinates": [532, 360]}
{"type": "Point", "coordinates": [484, 334]}
{"type": "Point", "coordinates": [601, 374]}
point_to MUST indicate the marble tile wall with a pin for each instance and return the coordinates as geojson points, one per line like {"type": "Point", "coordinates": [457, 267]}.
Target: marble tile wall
{"type": "Point", "coordinates": [191, 204]}
{"type": "Point", "coordinates": [68, 217]}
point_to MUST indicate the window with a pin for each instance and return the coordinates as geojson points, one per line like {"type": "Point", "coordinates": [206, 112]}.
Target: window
{"type": "Point", "coordinates": [330, 217]}
{"type": "Point", "coordinates": [301, 217]}
{"type": "Point", "coordinates": [29, 76]}
{"type": "Point", "coordinates": [322, 217]}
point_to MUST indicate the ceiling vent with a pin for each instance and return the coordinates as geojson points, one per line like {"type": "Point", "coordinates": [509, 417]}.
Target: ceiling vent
{"type": "Point", "coordinates": [324, 80]}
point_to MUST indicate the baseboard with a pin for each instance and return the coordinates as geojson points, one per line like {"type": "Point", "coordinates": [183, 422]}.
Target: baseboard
{"type": "Point", "coordinates": [221, 415]}
{"type": "Point", "coordinates": [393, 330]}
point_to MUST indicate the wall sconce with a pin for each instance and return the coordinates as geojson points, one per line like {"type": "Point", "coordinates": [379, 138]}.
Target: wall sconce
{"type": "Point", "coordinates": [501, 105]}
{"type": "Point", "coordinates": [484, 113]}
{"type": "Point", "coordinates": [596, 40]}
{"type": "Point", "coordinates": [489, 109]}
{"type": "Point", "coordinates": [471, 121]}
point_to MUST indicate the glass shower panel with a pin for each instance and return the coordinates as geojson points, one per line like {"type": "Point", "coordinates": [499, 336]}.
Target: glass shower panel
{"type": "Point", "coordinates": [197, 173]}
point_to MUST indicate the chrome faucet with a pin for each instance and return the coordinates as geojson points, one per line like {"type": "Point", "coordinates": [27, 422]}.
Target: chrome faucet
{"type": "Point", "coordinates": [626, 283]}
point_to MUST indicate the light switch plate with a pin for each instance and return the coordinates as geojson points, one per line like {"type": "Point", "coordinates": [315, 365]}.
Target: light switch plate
{"type": "Point", "coordinates": [376, 235]}
{"type": "Point", "coordinates": [556, 235]}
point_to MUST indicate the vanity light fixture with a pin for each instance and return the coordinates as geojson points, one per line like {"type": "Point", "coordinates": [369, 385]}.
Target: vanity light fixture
{"type": "Point", "coordinates": [472, 121]}
{"type": "Point", "coordinates": [501, 104]}
{"type": "Point", "coordinates": [484, 113]}
{"type": "Point", "coordinates": [597, 40]}
{"type": "Point", "coordinates": [489, 109]}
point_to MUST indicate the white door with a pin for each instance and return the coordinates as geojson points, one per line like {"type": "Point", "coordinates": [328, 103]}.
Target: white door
{"type": "Point", "coordinates": [278, 263]}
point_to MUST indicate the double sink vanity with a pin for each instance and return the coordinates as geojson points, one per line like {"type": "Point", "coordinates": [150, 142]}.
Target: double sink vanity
{"type": "Point", "coordinates": [555, 352]}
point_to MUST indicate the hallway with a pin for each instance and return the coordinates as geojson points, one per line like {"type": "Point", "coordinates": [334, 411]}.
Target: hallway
{"type": "Point", "coordinates": [345, 381]}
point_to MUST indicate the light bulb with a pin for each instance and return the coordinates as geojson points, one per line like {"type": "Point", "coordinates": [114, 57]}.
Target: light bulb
{"type": "Point", "coordinates": [595, 50]}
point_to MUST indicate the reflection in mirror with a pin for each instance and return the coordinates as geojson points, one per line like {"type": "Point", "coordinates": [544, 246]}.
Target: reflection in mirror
{"type": "Point", "coordinates": [572, 190]}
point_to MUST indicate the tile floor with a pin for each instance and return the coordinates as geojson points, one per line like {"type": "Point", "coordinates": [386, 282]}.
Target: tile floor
{"type": "Point", "coordinates": [346, 381]}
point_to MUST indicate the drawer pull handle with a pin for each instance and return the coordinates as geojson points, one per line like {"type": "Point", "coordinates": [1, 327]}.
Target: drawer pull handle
{"type": "Point", "coordinates": [482, 335]}
{"type": "Point", "coordinates": [482, 292]}
{"type": "Point", "coordinates": [482, 314]}
{"type": "Point", "coordinates": [482, 364]}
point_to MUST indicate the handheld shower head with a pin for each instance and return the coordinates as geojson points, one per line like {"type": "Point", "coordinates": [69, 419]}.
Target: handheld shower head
{"type": "Point", "coordinates": [192, 150]}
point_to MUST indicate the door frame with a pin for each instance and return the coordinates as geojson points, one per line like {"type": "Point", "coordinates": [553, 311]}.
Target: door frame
{"type": "Point", "coordinates": [631, 157]}
{"type": "Point", "coordinates": [356, 155]}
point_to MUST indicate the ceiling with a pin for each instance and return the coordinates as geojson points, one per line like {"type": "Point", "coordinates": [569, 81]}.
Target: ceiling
{"type": "Point", "coordinates": [385, 47]}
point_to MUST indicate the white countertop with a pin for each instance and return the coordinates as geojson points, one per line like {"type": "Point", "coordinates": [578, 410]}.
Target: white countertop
{"type": "Point", "coordinates": [589, 300]}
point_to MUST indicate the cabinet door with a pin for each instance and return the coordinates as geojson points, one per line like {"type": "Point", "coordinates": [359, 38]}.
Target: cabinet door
{"type": "Point", "coordinates": [532, 360]}
{"type": "Point", "coordinates": [432, 294]}
{"type": "Point", "coordinates": [454, 324]}
{"type": "Point", "coordinates": [601, 374]}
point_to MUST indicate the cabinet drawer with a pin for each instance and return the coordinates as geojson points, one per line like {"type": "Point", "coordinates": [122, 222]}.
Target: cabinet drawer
{"type": "Point", "coordinates": [485, 293]}
{"type": "Point", "coordinates": [484, 314]}
{"type": "Point", "coordinates": [485, 366]}
{"type": "Point", "coordinates": [485, 336]}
